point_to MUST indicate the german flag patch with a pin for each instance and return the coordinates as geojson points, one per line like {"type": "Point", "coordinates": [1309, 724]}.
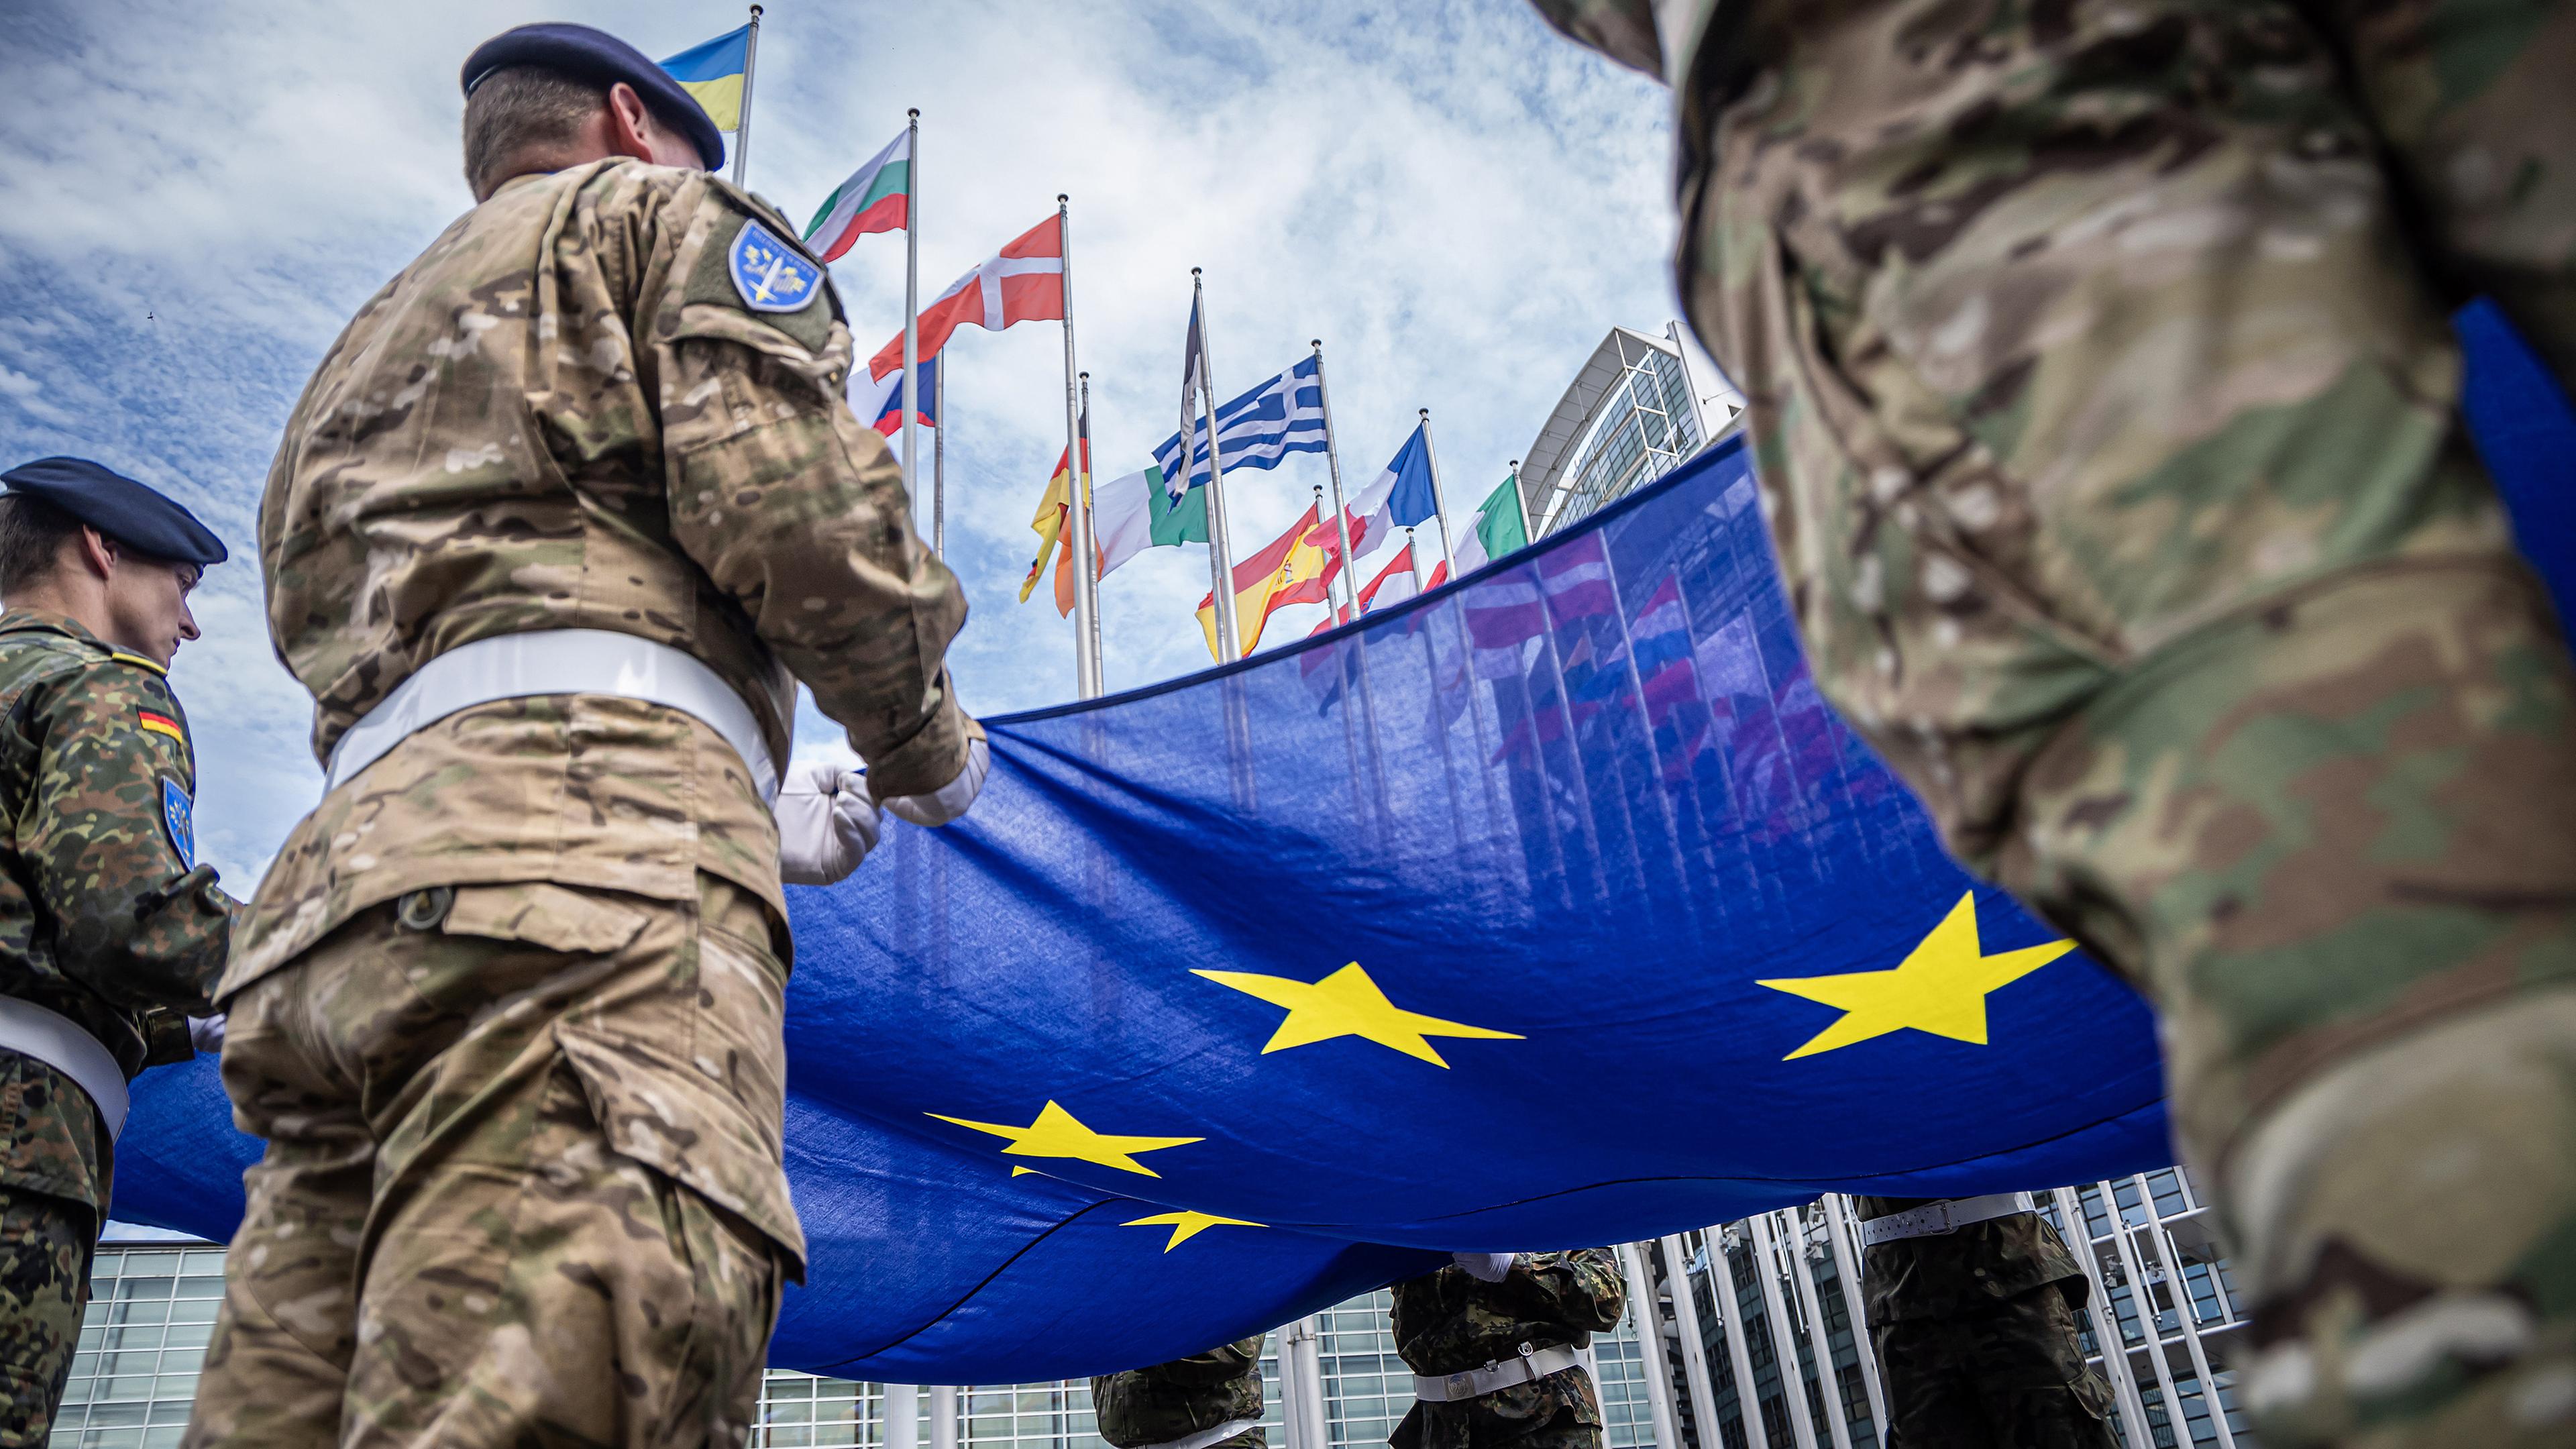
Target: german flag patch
{"type": "Point", "coordinates": [160, 724]}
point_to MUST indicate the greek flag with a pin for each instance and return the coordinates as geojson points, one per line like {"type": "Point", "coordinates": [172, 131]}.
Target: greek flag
{"type": "Point", "coordinates": [1282, 416]}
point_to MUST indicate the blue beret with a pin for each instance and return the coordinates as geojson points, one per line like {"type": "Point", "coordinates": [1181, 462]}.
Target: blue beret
{"type": "Point", "coordinates": [115, 505]}
{"type": "Point", "coordinates": [596, 55]}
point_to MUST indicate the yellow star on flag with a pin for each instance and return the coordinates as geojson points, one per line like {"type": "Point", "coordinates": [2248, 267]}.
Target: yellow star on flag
{"type": "Point", "coordinates": [1186, 1225]}
{"type": "Point", "coordinates": [1058, 1133]}
{"type": "Point", "coordinates": [1347, 1003]}
{"type": "Point", "coordinates": [1940, 987]}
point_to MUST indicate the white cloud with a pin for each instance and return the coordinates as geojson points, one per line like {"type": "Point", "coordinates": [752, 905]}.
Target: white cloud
{"type": "Point", "coordinates": [198, 195]}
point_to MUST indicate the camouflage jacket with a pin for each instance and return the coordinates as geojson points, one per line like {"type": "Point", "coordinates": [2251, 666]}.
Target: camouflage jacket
{"type": "Point", "coordinates": [1174, 1400]}
{"type": "Point", "coordinates": [1965, 1269]}
{"type": "Point", "coordinates": [1447, 1322]}
{"type": "Point", "coordinates": [104, 916]}
{"type": "Point", "coordinates": [569, 413]}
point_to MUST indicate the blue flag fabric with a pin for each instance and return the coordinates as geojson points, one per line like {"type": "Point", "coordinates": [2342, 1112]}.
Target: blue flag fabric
{"type": "Point", "coordinates": [1281, 416]}
{"type": "Point", "coordinates": [1414, 498]}
{"type": "Point", "coordinates": [1551, 908]}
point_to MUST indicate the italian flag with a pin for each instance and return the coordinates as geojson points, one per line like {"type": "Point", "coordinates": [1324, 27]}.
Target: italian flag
{"type": "Point", "coordinates": [871, 200]}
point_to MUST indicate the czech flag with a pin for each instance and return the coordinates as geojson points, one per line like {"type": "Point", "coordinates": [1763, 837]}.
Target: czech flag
{"type": "Point", "coordinates": [879, 400]}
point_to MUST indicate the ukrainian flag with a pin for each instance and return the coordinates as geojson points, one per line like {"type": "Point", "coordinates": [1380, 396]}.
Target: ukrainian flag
{"type": "Point", "coordinates": [713, 73]}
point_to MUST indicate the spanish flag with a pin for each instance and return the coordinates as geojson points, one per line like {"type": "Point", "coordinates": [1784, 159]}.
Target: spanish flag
{"type": "Point", "coordinates": [713, 73]}
{"type": "Point", "coordinates": [1295, 569]}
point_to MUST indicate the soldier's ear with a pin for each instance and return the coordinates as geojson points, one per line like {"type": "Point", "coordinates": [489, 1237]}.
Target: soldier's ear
{"type": "Point", "coordinates": [98, 551]}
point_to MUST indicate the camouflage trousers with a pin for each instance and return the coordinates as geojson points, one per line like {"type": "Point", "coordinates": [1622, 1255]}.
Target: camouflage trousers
{"type": "Point", "coordinates": [45, 1247]}
{"type": "Point", "coordinates": [522, 1183]}
{"type": "Point", "coordinates": [2008, 1375]}
{"type": "Point", "coordinates": [1560, 1411]}
{"type": "Point", "coordinates": [2107, 417]}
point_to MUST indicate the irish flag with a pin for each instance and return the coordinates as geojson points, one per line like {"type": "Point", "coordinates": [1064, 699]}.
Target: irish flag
{"type": "Point", "coordinates": [871, 200]}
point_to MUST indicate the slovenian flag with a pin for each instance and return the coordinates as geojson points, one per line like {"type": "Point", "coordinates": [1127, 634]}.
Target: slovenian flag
{"type": "Point", "coordinates": [873, 199]}
{"type": "Point", "coordinates": [713, 73]}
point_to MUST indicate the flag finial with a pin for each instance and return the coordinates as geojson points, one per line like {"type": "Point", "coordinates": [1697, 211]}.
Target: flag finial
{"type": "Point", "coordinates": [913, 113]}
{"type": "Point", "coordinates": [1316, 343]}
{"type": "Point", "coordinates": [1194, 271]}
{"type": "Point", "coordinates": [1426, 413]}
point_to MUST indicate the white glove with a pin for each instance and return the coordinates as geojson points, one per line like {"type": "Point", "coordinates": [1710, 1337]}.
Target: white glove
{"type": "Point", "coordinates": [826, 823]}
{"type": "Point", "coordinates": [206, 1034]}
{"type": "Point", "coordinates": [1485, 1267]}
{"type": "Point", "coordinates": [950, 800]}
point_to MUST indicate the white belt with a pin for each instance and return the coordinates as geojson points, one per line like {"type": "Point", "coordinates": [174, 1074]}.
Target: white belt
{"type": "Point", "coordinates": [1943, 1216]}
{"type": "Point", "coordinates": [1203, 1438]}
{"type": "Point", "coordinates": [62, 1043]}
{"type": "Point", "coordinates": [554, 661]}
{"type": "Point", "coordinates": [1529, 1368]}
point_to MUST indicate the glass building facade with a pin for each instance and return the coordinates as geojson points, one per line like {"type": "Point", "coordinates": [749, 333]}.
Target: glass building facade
{"type": "Point", "coordinates": [1770, 1318]}
{"type": "Point", "coordinates": [1628, 419]}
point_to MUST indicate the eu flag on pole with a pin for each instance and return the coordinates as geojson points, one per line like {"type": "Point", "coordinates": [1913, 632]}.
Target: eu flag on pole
{"type": "Point", "coordinates": [713, 72]}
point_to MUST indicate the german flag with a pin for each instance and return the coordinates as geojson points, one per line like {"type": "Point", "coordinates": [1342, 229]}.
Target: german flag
{"type": "Point", "coordinates": [160, 724]}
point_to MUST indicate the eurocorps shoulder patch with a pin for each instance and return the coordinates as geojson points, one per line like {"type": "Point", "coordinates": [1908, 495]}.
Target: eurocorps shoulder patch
{"type": "Point", "coordinates": [176, 812]}
{"type": "Point", "coordinates": [770, 275]}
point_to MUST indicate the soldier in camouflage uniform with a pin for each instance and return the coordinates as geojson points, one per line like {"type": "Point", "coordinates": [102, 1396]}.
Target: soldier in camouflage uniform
{"type": "Point", "coordinates": [1208, 1400]}
{"type": "Point", "coordinates": [508, 1006]}
{"type": "Point", "coordinates": [1975, 1329]}
{"type": "Point", "coordinates": [1491, 1342]}
{"type": "Point", "coordinates": [2108, 423]}
{"type": "Point", "coordinates": [110, 934]}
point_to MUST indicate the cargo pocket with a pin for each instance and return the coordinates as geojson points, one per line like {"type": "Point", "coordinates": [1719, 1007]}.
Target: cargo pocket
{"type": "Point", "coordinates": [451, 943]}
{"type": "Point", "coordinates": [663, 1112]}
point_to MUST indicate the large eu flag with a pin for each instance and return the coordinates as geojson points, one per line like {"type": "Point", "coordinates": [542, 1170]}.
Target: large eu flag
{"type": "Point", "coordinates": [1551, 908]}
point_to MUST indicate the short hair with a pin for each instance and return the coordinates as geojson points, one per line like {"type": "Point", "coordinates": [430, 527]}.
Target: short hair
{"type": "Point", "coordinates": [520, 108]}
{"type": "Point", "coordinates": [31, 540]}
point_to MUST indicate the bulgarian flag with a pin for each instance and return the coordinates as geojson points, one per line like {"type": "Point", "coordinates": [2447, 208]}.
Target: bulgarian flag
{"type": "Point", "coordinates": [871, 200]}
{"type": "Point", "coordinates": [1024, 282]}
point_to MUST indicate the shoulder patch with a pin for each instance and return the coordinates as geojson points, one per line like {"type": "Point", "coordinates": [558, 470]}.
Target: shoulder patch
{"type": "Point", "coordinates": [746, 265]}
{"type": "Point", "coordinates": [160, 724]}
{"type": "Point", "coordinates": [177, 812]}
{"type": "Point", "coordinates": [770, 275]}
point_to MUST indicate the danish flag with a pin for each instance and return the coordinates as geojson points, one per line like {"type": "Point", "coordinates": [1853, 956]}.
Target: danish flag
{"type": "Point", "coordinates": [1024, 283]}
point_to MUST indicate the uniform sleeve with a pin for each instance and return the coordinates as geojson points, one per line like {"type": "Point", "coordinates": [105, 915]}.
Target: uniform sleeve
{"type": "Point", "coordinates": [1623, 30]}
{"type": "Point", "coordinates": [794, 508]}
{"type": "Point", "coordinates": [135, 923]}
{"type": "Point", "coordinates": [1222, 1364]}
{"type": "Point", "coordinates": [1582, 1290]}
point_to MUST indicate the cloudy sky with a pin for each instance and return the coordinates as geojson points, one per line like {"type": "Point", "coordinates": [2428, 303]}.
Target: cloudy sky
{"type": "Point", "coordinates": [195, 196]}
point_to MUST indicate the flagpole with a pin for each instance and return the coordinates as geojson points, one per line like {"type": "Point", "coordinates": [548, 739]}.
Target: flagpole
{"type": "Point", "coordinates": [939, 464]}
{"type": "Point", "coordinates": [1333, 459]}
{"type": "Point", "coordinates": [1099, 661]}
{"type": "Point", "coordinates": [742, 129]}
{"type": "Point", "coordinates": [1439, 499]}
{"type": "Point", "coordinates": [1416, 555]}
{"type": "Point", "coordinates": [1086, 658]}
{"type": "Point", "coordinates": [1527, 536]}
{"type": "Point", "coordinates": [911, 297]}
{"type": "Point", "coordinates": [1229, 638]}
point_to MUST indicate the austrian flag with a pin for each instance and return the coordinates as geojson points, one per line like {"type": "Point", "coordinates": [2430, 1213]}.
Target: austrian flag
{"type": "Point", "coordinates": [1024, 283]}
